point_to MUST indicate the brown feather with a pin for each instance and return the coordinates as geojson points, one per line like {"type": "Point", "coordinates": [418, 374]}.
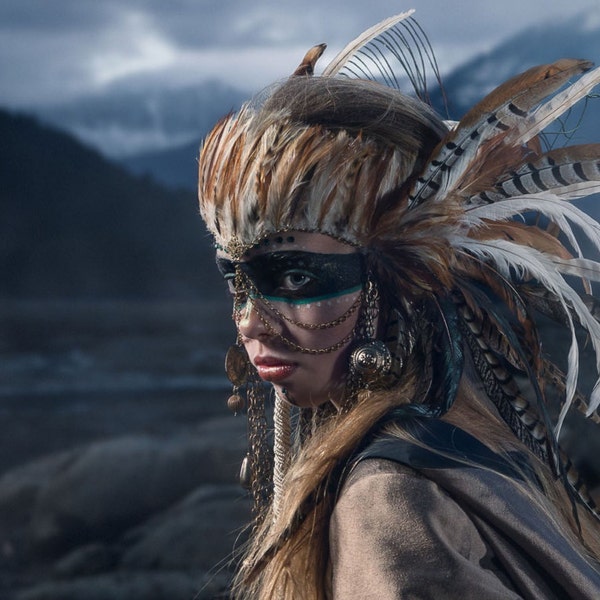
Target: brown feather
{"type": "Point", "coordinates": [307, 66]}
{"type": "Point", "coordinates": [523, 234]}
{"type": "Point", "coordinates": [527, 89]}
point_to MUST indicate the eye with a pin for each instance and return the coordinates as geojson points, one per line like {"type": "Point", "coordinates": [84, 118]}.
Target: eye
{"type": "Point", "coordinates": [296, 280]}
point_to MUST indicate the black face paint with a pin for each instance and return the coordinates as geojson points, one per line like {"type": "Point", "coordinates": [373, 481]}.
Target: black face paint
{"type": "Point", "coordinates": [298, 277]}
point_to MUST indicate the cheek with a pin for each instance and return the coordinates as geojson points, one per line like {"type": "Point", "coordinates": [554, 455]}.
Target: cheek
{"type": "Point", "coordinates": [321, 378]}
{"type": "Point", "coordinates": [323, 324]}
{"type": "Point", "coordinates": [326, 314]}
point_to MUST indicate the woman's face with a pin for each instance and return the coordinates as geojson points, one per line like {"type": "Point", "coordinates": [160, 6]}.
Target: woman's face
{"type": "Point", "coordinates": [297, 298]}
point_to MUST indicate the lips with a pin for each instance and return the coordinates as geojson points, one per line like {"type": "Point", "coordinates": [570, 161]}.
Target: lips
{"type": "Point", "coordinates": [273, 369]}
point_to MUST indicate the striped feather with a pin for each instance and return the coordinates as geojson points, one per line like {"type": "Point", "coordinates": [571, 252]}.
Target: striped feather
{"type": "Point", "coordinates": [531, 264]}
{"type": "Point", "coordinates": [550, 111]}
{"type": "Point", "coordinates": [500, 384]}
{"type": "Point", "coordinates": [572, 172]}
{"type": "Point", "coordinates": [506, 107]}
{"type": "Point", "coordinates": [553, 375]}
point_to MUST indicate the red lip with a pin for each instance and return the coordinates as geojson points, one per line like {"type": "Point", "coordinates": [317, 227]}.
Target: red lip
{"type": "Point", "coordinates": [273, 369]}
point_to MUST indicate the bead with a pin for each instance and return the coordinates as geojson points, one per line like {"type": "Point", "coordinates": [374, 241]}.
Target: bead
{"type": "Point", "coordinates": [246, 473]}
{"type": "Point", "coordinates": [235, 403]}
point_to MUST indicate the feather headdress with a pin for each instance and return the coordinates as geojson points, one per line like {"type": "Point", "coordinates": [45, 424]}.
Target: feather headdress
{"type": "Point", "coordinates": [473, 219]}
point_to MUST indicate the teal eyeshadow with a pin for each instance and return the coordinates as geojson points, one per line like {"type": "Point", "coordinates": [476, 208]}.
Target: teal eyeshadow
{"type": "Point", "coordinates": [298, 301]}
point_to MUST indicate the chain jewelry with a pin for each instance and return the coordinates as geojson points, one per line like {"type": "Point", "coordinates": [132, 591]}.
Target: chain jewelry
{"type": "Point", "coordinates": [371, 361]}
{"type": "Point", "coordinates": [313, 326]}
{"type": "Point", "coordinates": [243, 286]}
{"type": "Point", "coordinates": [308, 326]}
{"type": "Point", "coordinates": [269, 327]}
{"type": "Point", "coordinates": [259, 460]}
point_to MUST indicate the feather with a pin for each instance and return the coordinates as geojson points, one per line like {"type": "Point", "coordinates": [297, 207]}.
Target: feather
{"type": "Point", "coordinates": [449, 352]}
{"type": "Point", "coordinates": [343, 57]}
{"type": "Point", "coordinates": [579, 267]}
{"type": "Point", "coordinates": [504, 109]}
{"type": "Point", "coordinates": [551, 207]}
{"type": "Point", "coordinates": [552, 374]}
{"type": "Point", "coordinates": [556, 106]}
{"type": "Point", "coordinates": [523, 234]}
{"type": "Point", "coordinates": [376, 53]}
{"type": "Point", "coordinates": [529, 263]}
{"type": "Point", "coordinates": [572, 171]}
{"type": "Point", "coordinates": [307, 66]}
{"type": "Point", "coordinates": [485, 332]}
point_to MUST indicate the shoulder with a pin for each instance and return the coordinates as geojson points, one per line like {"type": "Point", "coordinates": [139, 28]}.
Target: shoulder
{"type": "Point", "coordinates": [393, 526]}
{"type": "Point", "coordinates": [398, 497]}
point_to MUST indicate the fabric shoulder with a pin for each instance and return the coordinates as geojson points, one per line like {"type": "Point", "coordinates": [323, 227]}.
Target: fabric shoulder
{"type": "Point", "coordinates": [395, 533]}
{"type": "Point", "coordinates": [435, 444]}
{"type": "Point", "coordinates": [500, 497]}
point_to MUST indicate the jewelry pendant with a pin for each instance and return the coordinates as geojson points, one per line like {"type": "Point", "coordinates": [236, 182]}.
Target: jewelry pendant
{"type": "Point", "coordinates": [236, 403]}
{"type": "Point", "coordinates": [236, 365]}
{"type": "Point", "coordinates": [246, 473]}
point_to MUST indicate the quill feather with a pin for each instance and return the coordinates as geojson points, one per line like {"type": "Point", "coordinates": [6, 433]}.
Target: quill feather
{"type": "Point", "coordinates": [532, 264]}
{"type": "Point", "coordinates": [495, 116]}
{"type": "Point", "coordinates": [354, 47]}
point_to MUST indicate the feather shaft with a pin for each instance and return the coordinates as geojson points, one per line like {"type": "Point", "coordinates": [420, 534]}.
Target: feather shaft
{"type": "Point", "coordinates": [338, 62]}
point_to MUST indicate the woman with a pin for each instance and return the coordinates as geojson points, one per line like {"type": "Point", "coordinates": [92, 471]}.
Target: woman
{"type": "Point", "coordinates": [387, 272]}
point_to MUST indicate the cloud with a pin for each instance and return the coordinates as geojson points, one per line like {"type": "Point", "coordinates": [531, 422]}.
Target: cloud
{"type": "Point", "coordinates": [55, 50]}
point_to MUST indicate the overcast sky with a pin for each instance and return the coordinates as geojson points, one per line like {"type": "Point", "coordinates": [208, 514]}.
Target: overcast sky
{"type": "Point", "coordinates": [51, 50]}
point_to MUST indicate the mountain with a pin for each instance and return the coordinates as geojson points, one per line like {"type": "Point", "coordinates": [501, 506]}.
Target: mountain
{"type": "Point", "coordinates": [575, 37]}
{"type": "Point", "coordinates": [76, 225]}
{"type": "Point", "coordinates": [175, 168]}
{"type": "Point", "coordinates": [133, 119]}
{"type": "Point", "coordinates": [156, 131]}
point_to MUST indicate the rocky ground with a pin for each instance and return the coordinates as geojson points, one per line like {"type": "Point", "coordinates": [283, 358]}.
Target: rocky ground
{"type": "Point", "coordinates": [118, 459]}
{"type": "Point", "coordinates": [141, 515]}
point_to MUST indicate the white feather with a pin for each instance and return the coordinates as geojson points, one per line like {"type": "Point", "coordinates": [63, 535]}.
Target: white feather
{"type": "Point", "coordinates": [342, 58]}
{"type": "Point", "coordinates": [528, 262]}
{"type": "Point", "coordinates": [546, 204]}
{"type": "Point", "coordinates": [579, 267]}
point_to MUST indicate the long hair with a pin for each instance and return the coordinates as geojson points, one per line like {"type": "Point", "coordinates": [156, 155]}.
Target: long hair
{"type": "Point", "coordinates": [288, 557]}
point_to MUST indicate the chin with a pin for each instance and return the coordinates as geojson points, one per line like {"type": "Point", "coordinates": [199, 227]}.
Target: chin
{"type": "Point", "coordinates": [299, 400]}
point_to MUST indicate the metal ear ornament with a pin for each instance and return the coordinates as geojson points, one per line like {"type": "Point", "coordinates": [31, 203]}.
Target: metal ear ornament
{"type": "Point", "coordinates": [372, 361]}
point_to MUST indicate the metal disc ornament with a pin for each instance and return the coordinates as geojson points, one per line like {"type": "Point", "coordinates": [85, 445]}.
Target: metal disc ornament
{"type": "Point", "coordinates": [372, 360]}
{"type": "Point", "coordinates": [236, 365]}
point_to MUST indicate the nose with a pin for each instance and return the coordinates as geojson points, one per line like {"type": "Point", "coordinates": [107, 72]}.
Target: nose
{"type": "Point", "coordinates": [254, 323]}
